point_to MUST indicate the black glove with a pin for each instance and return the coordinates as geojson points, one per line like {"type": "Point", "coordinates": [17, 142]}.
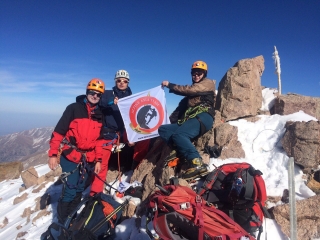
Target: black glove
{"type": "Point", "coordinates": [213, 151]}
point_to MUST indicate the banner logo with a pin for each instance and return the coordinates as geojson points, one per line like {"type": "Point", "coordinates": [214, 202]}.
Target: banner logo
{"type": "Point", "coordinates": [146, 115]}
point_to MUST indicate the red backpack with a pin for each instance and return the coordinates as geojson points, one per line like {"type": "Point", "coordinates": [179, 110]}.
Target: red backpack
{"type": "Point", "coordinates": [238, 190]}
{"type": "Point", "coordinates": [179, 213]}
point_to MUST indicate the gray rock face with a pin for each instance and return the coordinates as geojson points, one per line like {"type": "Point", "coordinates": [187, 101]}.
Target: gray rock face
{"type": "Point", "coordinates": [226, 137]}
{"type": "Point", "coordinates": [308, 221]}
{"type": "Point", "coordinates": [151, 170]}
{"type": "Point", "coordinates": [239, 92]}
{"type": "Point", "coordinates": [302, 142]}
{"type": "Point", "coordinates": [291, 103]}
{"type": "Point", "coordinates": [207, 138]}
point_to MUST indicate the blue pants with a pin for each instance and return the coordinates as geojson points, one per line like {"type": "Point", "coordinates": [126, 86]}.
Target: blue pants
{"type": "Point", "coordinates": [181, 135]}
{"type": "Point", "coordinates": [74, 183]}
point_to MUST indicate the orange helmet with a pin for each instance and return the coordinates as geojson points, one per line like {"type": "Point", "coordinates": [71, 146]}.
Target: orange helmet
{"type": "Point", "coordinates": [96, 84]}
{"type": "Point", "coordinates": [200, 65]}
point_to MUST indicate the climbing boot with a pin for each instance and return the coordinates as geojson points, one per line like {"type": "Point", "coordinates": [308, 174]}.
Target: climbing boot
{"type": "Point", "coordinates": [172, 159]}
{"type": "Point", "coordinates": [75, 202]}
{"type": "Point", "coordinates": [62, 211]}
{"type": "Point", "coordinates": [172, 155]}
{"type": "Point", "coordinates": [196, 169]}
{"type": "Point", "coordinates": [73, 206]}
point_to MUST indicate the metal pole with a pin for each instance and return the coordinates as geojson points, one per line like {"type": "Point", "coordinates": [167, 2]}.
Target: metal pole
{"type": "Point", "coordinates": [292, 200]}
{"type": "Point", "coordinates": [278, 69]}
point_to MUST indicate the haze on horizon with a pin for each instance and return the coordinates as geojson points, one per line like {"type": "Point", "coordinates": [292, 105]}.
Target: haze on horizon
{"type": "Point", "coordinates": [49, 50]}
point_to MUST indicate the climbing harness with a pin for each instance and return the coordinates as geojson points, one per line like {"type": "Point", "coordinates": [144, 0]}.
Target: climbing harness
{"type": "Point", "coordinates": [83, 168]}
{"type": "Point", "coordinates": [192, 112]}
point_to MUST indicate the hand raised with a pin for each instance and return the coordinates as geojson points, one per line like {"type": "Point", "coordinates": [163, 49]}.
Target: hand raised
{"type": "Point", "coordinates": [165, 83]}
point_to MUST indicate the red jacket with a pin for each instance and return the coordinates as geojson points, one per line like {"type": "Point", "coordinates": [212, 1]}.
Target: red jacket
{"type": "Point", "coordinates": [81, 126]}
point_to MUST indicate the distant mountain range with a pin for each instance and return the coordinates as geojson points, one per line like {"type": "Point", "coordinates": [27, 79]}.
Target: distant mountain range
{"type": "Point", "coordinates": [29, 147]}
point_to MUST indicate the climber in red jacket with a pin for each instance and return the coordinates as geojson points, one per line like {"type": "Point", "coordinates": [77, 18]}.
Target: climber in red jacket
{"type": "Point", "coordinates": [78, 132]}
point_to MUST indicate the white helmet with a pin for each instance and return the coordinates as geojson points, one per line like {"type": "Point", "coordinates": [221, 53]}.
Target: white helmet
{"type": "Point", "coordinates": [122, 73]}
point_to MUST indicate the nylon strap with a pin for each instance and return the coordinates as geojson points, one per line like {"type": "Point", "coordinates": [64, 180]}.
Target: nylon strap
{"type": "Point", "coordinates": [90, 215]}
{"type": "Point", "coordinates": [193, 112]}
{"type": "Point", "coordinates": [108, 218]}
{"type": "Point", "coordinates": [199, 216]}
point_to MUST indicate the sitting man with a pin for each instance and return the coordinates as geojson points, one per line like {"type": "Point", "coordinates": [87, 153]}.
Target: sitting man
{"type": "Point", "coordinates": [192, 118]}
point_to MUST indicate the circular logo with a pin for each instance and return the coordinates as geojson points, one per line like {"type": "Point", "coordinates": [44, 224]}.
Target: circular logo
{"type": "Point", "coordinates": [146, 115]}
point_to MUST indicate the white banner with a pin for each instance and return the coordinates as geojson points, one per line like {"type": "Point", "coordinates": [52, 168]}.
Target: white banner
{"type": "Point", "coordinates": [143, 113]}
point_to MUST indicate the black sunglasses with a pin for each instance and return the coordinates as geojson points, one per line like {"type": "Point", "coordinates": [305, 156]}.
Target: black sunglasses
{"type": "Point", "coordinates": [196, 73]}
{"type": "Point", "coordinates": [92, 93]}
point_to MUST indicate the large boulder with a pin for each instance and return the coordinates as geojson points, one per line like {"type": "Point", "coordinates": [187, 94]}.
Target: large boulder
{"type": "Point", "coordinates": [308, 221]}
{"type": "Point", "coordinates": [302, 142]}
{"type": "Point", "coordinates": [30, 177]}
{"type": "Point", "coordinates": [151, 170]}
{"type": "Point", "coordinates": [291, 103]}
{"type": "Point", "coordinates": [10, 170]}
{"type": "Point", "coordinates": [239, 92]}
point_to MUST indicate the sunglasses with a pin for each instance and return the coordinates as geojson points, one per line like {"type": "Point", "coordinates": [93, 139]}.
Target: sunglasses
{"type": "Point", "coordinates": [92, 93]}
{"type": "Point", "coordinates": [196, 74]}
{"type": "Point", "coordinates": [124, 81]}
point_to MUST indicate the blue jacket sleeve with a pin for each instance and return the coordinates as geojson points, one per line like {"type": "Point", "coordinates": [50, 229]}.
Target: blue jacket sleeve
{"type": "Point", "coordinates": [107, 99]}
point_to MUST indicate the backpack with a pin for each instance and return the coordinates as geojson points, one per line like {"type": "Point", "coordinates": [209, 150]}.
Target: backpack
{"type": "Point", "coordinates": [97, 220]}
{"type": "Point", "coordinates": [238, 190]}
{"type": "Point", "coordinates": [177, 212]}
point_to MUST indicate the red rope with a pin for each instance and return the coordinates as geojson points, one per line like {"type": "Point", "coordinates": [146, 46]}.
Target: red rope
{"type": "Point", "coordinates": [118, 144]}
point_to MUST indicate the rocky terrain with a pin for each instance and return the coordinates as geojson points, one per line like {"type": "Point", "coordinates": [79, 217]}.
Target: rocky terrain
{"type": "Point", "coordinates": [239, 97]}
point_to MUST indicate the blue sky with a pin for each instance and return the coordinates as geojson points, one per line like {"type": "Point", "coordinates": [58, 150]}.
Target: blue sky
{"type": "Point", "coordinates": [49, 50]}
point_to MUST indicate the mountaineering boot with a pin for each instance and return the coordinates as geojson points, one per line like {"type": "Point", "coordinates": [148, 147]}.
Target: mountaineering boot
{"type": "Point", "coordinates": [172, 159]}
{"type": "Point", "coordinates": [62, 211]}
{"type": "Point", "coordinates": [74, 204]}
{"type": "Point", "coordinates": [171, 156]}
{"type": "Point", "coordinates": [196, 169]}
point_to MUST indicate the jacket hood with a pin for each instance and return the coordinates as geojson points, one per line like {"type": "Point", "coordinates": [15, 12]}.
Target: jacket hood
{"type": "Point", "coordinates": [81, 98]}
